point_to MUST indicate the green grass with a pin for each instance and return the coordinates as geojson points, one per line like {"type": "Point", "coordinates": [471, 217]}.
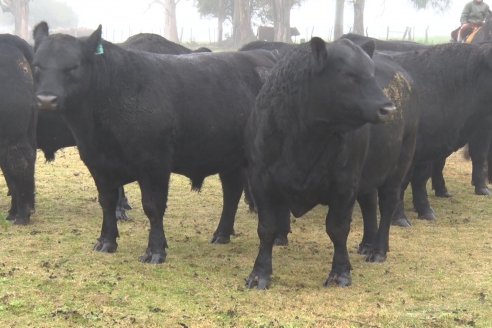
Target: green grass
{"type": "Point", "coordinates": [438, 274]}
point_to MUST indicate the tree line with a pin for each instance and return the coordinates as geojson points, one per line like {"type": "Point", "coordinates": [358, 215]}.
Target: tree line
{"type": "Point", "coordinates": [239, 12]}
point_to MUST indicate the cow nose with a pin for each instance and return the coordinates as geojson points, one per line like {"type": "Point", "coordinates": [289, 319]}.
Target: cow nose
{"type": "Point", "coordinates": [386, 112]}
{"type": "Point", "coordinates": [47, 102]}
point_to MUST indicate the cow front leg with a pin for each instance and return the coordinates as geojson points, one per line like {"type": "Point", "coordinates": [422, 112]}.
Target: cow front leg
{"type": "Point", "coordinates": [273, 212]}
{"type": "Point", "coordinates": [338, 228]}
{"type": "Point", "coordinates": [479, 145]}
{"type": "Point", "coordinates": [108, 197]}
{"type": "Point", "coordinates": [154, 189]}
{"type": "Point", "coordinates": [232, 188]}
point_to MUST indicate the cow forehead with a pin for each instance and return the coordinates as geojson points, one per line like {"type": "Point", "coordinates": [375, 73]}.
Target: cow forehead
{"type": "Point", "coordinates": [354, 58]}
{"type": "Point", "coordinates": [59, 51]}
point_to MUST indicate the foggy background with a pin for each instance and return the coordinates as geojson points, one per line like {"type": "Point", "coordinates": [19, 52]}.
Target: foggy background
{"type": "Point", "coordinates": [122, 18]}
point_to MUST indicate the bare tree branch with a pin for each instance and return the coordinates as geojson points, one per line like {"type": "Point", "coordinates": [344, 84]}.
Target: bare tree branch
{"type": "Point", "coordinates": [5, 5]}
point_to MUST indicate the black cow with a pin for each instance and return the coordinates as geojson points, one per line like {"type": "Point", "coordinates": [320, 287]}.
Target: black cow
{"type": "Point", "coordinates": [382, 45]}
{"type": "Point", "coordinates": [452, 87]}
{"type": "Point", "coordinates": [307, 144]}
{"type": "Point", "coordinates": [53, 133]}
{"type": "Point", "coordinates": [17, 126]}
{"type": "Point", "coordinates": [138, 116]}
{"type": "Point", "coordinates": [479, 141]}
{"type": "Point", "coordinates": [157, 44]}
{"type": "Point", "coordinates": [282, 47]}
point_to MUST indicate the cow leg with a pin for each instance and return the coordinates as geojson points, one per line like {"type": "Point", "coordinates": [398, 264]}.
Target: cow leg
{"type": "Point", "coordinates": [338, 228]}
{"type": "Point", "coordinates": [248, 196]}
{"type": "Point", "coordinates": [18, 168]}
{"type": "Point", "coordinates": [232, 188]}
{"type": "Point", "coordinates": [420, 176]}
{"type": "Point", "coordinates": [12, 193]}
{"type": "Point", "coordinates": [108, 197]}
{"type": "Point", "coordinates": [154, 190]}
{"type": "Point", "coordinates": [438, 182]}
{"type": "Point", "coordinates": [388, 205]}
{"type": "Point", "coordinates": [273, 212]}
{"type": "Point", "coordinates": [400, 218]}
{"type": "Point", "coordinates": [479, 145]}
{"type": "Point", "coordinates": [369, 208]}
{"type": "Point", "coordinates": [489, 164]}
{"type": "Point", "coordinates": [122, 206]}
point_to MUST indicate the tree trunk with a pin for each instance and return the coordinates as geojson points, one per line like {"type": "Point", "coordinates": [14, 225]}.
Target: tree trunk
{"type": "Point", "coordinates": [220, 20]}
{"type": "Point", "coordinates": [20, 10]}
{"type": "Point", "coordinates": [241, 23]}
{"type": "Point", "coordinates": [170, 25]}
{"type": "Point", "coordinates": [359, 16]}
{"type": "Point", "coordinates": [281, 20]}
{"type": "Point", "coordinates": [338, 31]}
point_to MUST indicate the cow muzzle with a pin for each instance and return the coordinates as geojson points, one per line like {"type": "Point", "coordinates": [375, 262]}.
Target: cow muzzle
{"type": "Point", "coordinates": [47, 102]}
{"type": "Point", "coordinates": [386, 113]}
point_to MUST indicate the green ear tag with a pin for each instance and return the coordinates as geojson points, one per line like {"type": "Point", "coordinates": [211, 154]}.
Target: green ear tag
{"type": "Point", "coordinates": [99, 49]}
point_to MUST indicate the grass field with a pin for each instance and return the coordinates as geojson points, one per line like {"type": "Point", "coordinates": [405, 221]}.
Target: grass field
{"type": "Point", "coordinates": [438, 274]}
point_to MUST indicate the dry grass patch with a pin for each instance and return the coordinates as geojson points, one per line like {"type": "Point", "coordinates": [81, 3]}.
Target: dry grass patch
{"type": "Point", "coordinates": [438, 274]}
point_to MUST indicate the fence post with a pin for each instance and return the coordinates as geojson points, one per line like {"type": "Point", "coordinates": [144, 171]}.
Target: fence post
{"type": "Point", "coordinates": [387, 32]}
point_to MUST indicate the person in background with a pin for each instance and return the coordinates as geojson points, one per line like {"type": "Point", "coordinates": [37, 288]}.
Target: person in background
{"type": "Point", "coordinates": [472, 17]}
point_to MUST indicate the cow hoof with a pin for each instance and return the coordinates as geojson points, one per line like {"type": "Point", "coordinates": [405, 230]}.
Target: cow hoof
{"type": "Point", "coordinates": [482, 191]}
{"type": "Point", "coordinates": [338, 280]}
{"type": "Point", "coordinates": [220, 239]}
{"type": "Point", "coordinates": [10, 217]}
{"type": "Point", "coordinates": [105, 246]}
{"type": "Point", "coordinates": [429, 216]}
{"type": "Point", "coordinates": [281, 241]}
{"type": "Point", "coordinates": [153, 258]}
{"type": "Point", "coordinates": [376, 257]}
{"type": "Point", "coordinates": [442, 194]}
{"type": "Point", "coordinates": [402, 222]}
{"type": "Point", "coordinates": [121, 215]}
{"type": "Point", "coordinates": [22, 221]}
{"type": "Point", "coordinates": [364, 249]}
{"type": "Point", "coordinates": [257, 280]}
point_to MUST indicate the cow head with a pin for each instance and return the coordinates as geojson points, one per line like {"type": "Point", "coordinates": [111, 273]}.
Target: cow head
{"type": "Point", "coordinates": [343, 86]}
{"type": "Point", "coordinates": [62, 66]}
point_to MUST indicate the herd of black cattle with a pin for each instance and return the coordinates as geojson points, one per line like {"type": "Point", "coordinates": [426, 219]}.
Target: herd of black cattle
{"type": "Point", "coordinates": [293, 126]}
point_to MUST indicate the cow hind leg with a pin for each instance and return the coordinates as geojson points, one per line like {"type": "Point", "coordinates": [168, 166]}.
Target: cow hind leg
{"type": "Point", "coordinates": [12, 193]}
{"type": "Point", "coordinates": [369, 208]}
{"type": "Point", "coordinates": [420, 177]}
{"type": "Point", "coordinates": [388, 205]}
{"type": "Point", "coordinates": [232, 188]}
{"type": "Point", "coordinates": [18, 168]}
{"type": "Point", "coordinates": [122, 206]}
{"type": "Point", "coordinates": [154, 201]}
{"type": "Point", "coordinates": [108, 197]}
{"type": "Point", "coordinates": [438, 182]}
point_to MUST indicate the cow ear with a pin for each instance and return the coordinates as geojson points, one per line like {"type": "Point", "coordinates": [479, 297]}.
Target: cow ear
{"type": "Point", "coordinates": [368, 46]}
{"type": "Point", "coordinates": [40, 32]}
{"type": "Point", "coordinates": [93, 44]}
{"type": "Point", "coordinates": [318, 48]}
